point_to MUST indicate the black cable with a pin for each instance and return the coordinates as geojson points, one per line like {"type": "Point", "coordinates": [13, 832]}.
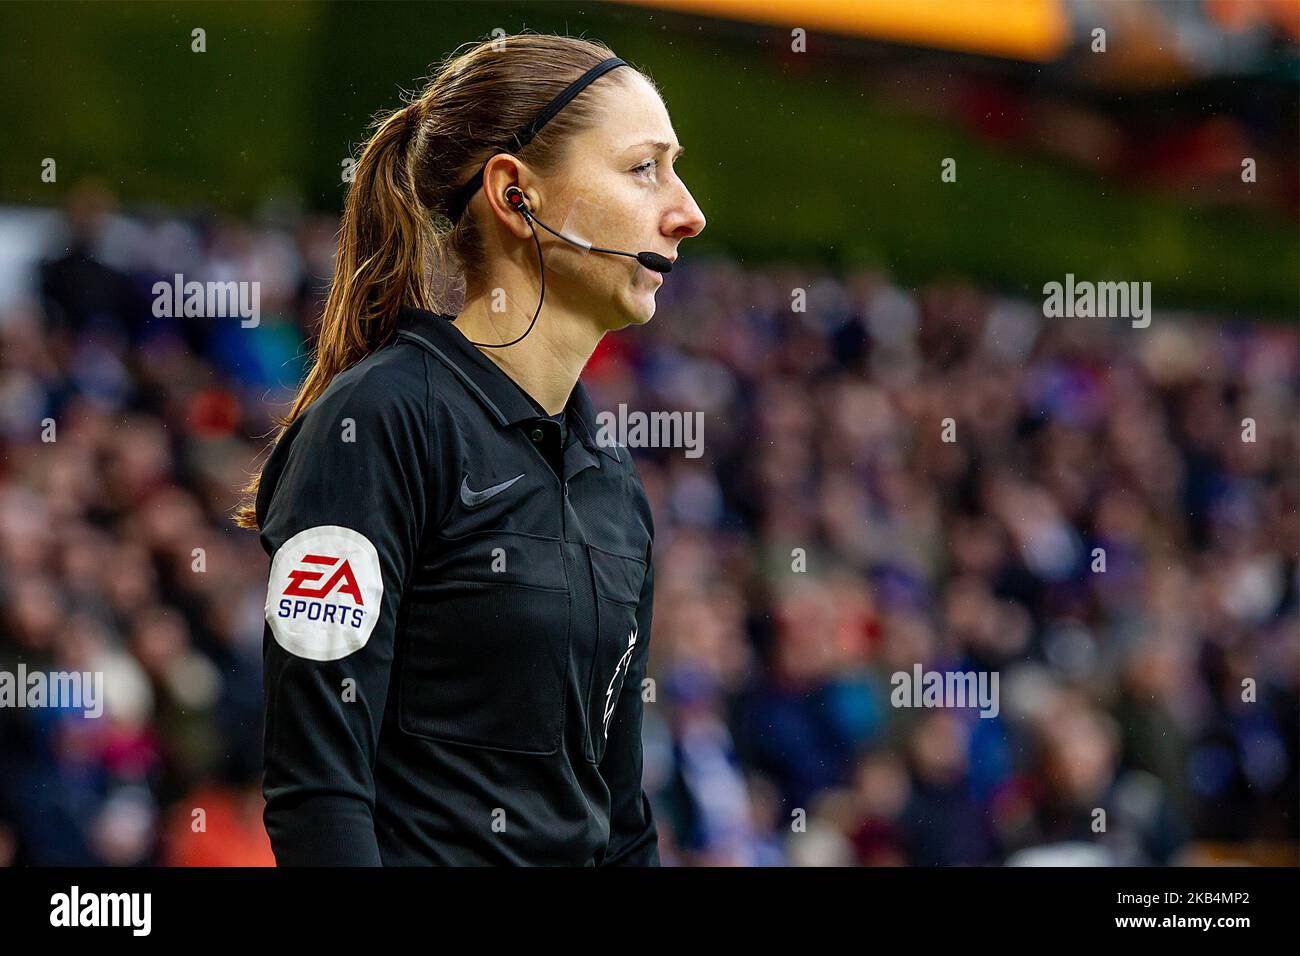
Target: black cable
{"type": "Point", "coordinates": [541, 268]}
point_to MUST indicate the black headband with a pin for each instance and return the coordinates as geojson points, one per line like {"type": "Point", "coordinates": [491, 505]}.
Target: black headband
{"type": "Point", "coordinates": [525, 136]}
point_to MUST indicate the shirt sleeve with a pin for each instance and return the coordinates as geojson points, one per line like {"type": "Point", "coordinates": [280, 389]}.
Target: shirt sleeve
{"type": "Point", "coordinates": [343, 526]}
{"type": "Point", "coordinates": [633, 838]}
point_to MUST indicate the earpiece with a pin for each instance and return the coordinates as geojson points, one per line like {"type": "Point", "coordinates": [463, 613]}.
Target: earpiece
{"type": "Point", "coordinates": [515, 197]}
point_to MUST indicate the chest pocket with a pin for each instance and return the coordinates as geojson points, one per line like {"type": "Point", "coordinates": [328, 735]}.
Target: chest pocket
{"type": "Point", "coordinates": [618, 579]}
{"type": "Point", "coordinates": [486, 643]}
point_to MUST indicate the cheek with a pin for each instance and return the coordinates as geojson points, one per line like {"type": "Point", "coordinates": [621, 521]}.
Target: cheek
{"type": "Point", "coordinates": [617, 209]}
{"type": "Point", "coordinates": [610, 222]}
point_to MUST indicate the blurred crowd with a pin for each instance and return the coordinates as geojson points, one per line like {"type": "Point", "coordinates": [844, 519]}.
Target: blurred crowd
{"type": "Point", "coordinates": [891, 477]}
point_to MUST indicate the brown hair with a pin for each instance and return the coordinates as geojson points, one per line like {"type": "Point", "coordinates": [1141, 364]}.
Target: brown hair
{"type": "Point", "coordinates": [396, 244]}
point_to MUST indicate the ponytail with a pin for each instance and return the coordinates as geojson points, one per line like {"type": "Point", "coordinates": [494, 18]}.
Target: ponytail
{"type": "Point", "coordinates": [384, 241]}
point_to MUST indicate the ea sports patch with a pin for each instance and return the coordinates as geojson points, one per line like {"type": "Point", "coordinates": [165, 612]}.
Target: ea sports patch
{"type": "Point", "coordinates": [325, 591]}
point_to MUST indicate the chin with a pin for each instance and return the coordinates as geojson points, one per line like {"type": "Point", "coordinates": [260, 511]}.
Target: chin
{"type": "Point", "coordinates": [637, 309]}
{"type": "Point", "coordinates": [643, 316]}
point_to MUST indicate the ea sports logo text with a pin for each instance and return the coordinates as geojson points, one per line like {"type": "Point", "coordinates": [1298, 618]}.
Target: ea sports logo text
{"type": "Point", "coordinates": [302, 585]}
{"type": "Point", "coordinates": [317, 608]}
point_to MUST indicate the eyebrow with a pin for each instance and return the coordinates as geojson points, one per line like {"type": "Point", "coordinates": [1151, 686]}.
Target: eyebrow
{"type": "Point", "coordinates": [659, 145]}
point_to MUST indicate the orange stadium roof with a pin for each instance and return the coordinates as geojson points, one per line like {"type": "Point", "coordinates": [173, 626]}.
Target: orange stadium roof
{"type": "Point", "coordinates": [1020, 29]}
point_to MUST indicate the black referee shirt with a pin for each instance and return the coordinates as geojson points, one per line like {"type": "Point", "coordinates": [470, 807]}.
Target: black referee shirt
{"type": "Point", "coordinates": [458, 619]}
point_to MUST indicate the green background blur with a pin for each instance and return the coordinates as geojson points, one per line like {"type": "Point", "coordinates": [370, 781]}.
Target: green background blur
{"type": "Point", "coordinates": [792, 167]}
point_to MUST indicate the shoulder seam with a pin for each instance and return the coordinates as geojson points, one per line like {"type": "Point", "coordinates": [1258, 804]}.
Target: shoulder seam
{"type": "Point", "coordinates": [348, 393]}
{"type": "Point", "coordinates": [421, 342]}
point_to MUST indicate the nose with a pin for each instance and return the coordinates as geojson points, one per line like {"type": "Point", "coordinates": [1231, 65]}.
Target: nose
{"type": "Point", "coordinates": [685, 219]}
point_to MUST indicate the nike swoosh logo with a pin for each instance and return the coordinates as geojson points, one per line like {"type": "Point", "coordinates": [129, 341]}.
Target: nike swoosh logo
{"type": "Point", "coordinates": [472, 499]}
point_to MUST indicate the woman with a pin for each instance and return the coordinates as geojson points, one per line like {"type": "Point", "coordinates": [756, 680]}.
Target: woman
{"type": "Point", "coordinates": [459, 607]}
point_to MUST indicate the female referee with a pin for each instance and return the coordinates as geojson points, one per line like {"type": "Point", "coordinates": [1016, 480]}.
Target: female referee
{"type": "Point", "coordinates": [459, 606]}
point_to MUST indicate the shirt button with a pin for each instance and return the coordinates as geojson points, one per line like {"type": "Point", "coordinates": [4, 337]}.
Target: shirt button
{"type": "Point", "coordinates": [536, 436]}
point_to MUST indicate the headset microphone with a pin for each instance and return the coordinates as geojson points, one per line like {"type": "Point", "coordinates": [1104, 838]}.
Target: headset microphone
{"type": "Point", "coordinates": [651, 260]}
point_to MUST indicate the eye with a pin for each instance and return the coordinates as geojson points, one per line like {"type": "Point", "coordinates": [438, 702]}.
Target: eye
{"type": "Point", "coordinates": [647, 166]}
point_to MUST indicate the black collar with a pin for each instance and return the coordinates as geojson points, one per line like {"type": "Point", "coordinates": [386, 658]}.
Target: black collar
{"type": "Point", "coordinates": [505, 401]}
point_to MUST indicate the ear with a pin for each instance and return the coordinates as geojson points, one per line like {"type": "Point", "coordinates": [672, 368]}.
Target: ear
{"type": "Point", "coordinates": [503, 171]}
